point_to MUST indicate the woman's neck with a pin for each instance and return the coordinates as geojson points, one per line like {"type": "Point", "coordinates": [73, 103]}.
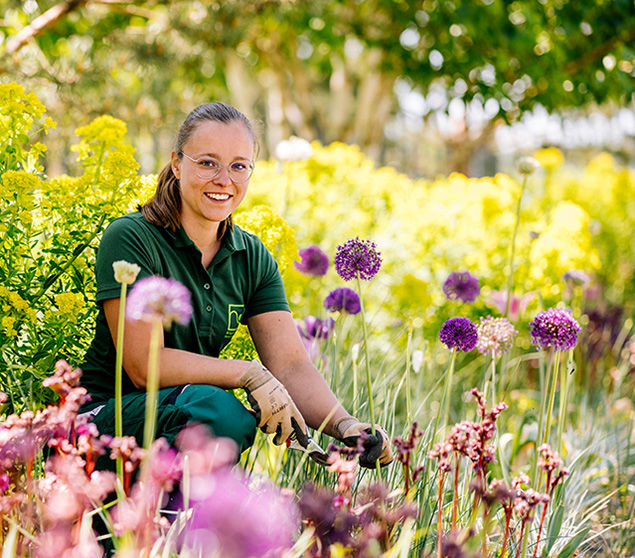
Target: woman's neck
{"type": "Point", "coordinates": [205, 239]}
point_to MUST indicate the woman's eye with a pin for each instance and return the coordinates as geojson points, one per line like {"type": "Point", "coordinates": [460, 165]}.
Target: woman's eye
{"type": "Point", "coordinates": [239, 167]}
{"type": "Point", "coordinates": [209, 163]}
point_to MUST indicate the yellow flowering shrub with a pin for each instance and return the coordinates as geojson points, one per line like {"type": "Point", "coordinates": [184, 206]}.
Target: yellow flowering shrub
{"type": "Point", "coordinates": [50, 230]}
{"type": "Point", "coordinates": [273, 231]}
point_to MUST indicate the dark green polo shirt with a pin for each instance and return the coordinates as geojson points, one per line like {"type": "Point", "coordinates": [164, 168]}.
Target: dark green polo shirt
{"type": "Point", "coordinates": [242, 281]}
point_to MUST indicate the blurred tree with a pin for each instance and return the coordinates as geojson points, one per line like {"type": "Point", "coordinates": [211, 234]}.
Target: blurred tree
{"type": "Point", "coordinates": [320, 69]}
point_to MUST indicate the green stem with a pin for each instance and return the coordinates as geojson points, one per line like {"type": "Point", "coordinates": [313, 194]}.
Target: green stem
{"type": "Point", "coordinates": [118, 377]}
{"type": "Point", "coordinates": [545, 376]}
{"type": "Point", "coordinates": [152, 385]}
{"type": "Point", "coordinates": [447, 390]}
{"type": "Point", "coordinates": [552, 397]}
{"type": "Point", "coordinates": [564, 393]}
{"type": "Point", "coordinates": [510, 279]}
{"type": "Point", "coordinates": [494, 401]}
{"type": "Point", "coordinates": [369, 384]}
{"type": "Point", "coordinates": [408, 359]}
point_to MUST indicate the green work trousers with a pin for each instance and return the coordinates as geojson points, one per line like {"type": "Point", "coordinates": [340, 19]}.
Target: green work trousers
{"type": "Point", "coordinates": [218, 409]}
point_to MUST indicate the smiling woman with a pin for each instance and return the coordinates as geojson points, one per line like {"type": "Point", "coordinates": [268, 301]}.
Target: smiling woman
{"type": "Point", "coordinates": [185, 232]}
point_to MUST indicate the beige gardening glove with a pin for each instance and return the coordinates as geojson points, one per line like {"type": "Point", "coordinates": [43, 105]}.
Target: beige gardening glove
{"type": "Point", "coordinates": [376, 447]}
{"type": "Point", "coordinates": [275, 411]}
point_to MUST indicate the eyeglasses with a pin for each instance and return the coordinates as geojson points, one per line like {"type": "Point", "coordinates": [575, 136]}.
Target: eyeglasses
{"type": "Point", "coordinates": [208, 168]}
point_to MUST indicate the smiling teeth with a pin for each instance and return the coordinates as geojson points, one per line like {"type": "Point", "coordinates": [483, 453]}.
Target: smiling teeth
{"type": "Point", "coordinates": [219, 197]}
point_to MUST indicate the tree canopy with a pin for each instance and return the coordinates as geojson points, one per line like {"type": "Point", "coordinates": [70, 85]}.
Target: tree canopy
{"type": "Point", "coordinates": [320, 69]}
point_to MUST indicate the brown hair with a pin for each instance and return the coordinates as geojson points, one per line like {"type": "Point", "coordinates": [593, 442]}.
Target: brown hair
{"type": "Point", "coordinates": [164, 209]}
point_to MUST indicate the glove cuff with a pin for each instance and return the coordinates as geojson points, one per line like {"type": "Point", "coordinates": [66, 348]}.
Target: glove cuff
{"type": "Point", "coordinates": [255, 376]}
{"type": "Point", "coordinates": [340, 426]}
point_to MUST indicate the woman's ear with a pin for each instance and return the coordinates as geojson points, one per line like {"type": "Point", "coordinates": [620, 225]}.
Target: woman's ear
{"type": "Point", "coordinates": [176, 165]}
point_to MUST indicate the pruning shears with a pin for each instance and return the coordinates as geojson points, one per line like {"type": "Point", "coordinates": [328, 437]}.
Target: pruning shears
{"type": "Point", "coordinates": [312, 448]}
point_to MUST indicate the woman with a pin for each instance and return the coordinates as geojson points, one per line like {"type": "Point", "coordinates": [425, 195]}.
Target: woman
{"type": "Point", "coordinates": [186, 232]}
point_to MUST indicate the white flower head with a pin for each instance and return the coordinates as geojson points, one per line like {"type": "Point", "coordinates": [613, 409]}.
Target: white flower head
{"type": "Point", "coordinates": [294, 149]}
{"type": "Point", "coordinates": [528, 165]}
{"type": "Point", "coordinates": [125, 272]}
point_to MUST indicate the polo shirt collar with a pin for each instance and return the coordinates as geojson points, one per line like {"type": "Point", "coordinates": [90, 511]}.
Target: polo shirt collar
{"type": "Point", "coordinates": [231, 240]}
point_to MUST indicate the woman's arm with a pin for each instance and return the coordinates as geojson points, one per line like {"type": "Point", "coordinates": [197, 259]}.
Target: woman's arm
{"type": "Point", "coordinates": [281, 350]}
{"type": "Point", "coordinates": [176, 367]}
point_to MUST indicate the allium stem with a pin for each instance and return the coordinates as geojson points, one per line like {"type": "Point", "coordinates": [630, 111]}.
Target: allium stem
{"type": "Point", "coordinates": [554, 382]}
{"type": "Point", "coordinates": [408, 359]}
{"type": "Point", "coordinates": [564, 395]}
{"type": "Point", "coordinates": [447, 390]}
{"type": "Point", "coordinates": [152, 385]}
{"type": "Point", "coordinates": [118, 376]}
{"type": "Point", "coordinates": [455, 503]}
{"type": "Point", "coordinates": [440, 517]}
{"type": "Point", "coordinates": [541, 418]}
{"type": "Point", "coordinates": [510, 279]}
{"type": "Point", "coordinates": [369, 383]}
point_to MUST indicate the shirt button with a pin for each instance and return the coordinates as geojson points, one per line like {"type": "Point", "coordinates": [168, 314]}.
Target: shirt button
{"type": "Point", "coordinates": [206, 286]}
{"type": "Point", "coordinates": [208, 308]}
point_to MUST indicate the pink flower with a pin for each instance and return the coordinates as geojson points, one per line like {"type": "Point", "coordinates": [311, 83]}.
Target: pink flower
{"type": "Point", "coordinates": [517, 305]}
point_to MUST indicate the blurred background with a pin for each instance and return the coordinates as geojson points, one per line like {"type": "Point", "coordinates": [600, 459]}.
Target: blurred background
{"type": "Point", "coordinates": [429, 87]}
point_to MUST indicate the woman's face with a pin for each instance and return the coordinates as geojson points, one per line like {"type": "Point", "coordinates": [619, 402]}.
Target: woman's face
{"type": "Point", "coordinates": [207, 202]}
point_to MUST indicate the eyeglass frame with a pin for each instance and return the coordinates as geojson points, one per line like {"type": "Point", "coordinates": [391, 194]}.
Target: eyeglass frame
{"type": "Point", "coordinates": [250, 166]}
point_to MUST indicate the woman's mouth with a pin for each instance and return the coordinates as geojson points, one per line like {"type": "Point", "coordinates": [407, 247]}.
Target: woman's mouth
{"type": "Point", "coordinates": [217, 197]}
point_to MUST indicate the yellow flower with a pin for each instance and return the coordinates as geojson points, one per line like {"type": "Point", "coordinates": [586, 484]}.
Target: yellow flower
{"type": "Point", "coordinates": [273, 231]}
{"type": "Point", "coordinates": [69, 303]}
{"type": "Point", "coordinates": [549, 157]}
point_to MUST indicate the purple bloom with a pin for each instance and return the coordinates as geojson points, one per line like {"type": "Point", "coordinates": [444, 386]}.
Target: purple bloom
{"type": "Point", "coordinates": [575, 278]}
{"type": "Point", "coordinates": [342, 299]}
{"type": "Point", "coordinates": [462, 285]}
{"type": "Point", "coordinates": [313, 261]}
{"type": "Point", "coordinates": [158, 298]}
{"type": "Point", "coordinates": [315, 328]}
{"type": "Point", "coordinates": [495, 335]}
{"type": "Point", "coordinates": [459, 333]}
{"type": "Point", "coordinates": [225, 505]}
{"type": "Point", "coordinates": [357, 258]}
{"type": "Point", "coordinates": [556, 328]}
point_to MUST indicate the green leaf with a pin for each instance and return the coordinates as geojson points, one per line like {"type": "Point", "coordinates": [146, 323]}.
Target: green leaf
{"type": "Point", "coordinates": [573, 544]}
{"type": "Point", "coordinates": [555, 524]}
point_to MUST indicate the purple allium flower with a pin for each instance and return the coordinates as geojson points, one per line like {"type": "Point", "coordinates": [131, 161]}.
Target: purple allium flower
{"type": "Point", "coordinates": [313, 261]}
{"type": "Point", "coordinates": [462, 285]}
{"type": "Point", "coordinates": [159, 298]}
{"type": "Point", "coordinates": [575, 278]}
{"type": "Point", "coordinates": [317, 328]}
{"type": "Point", "coordinates": [357, 258]}
{"type": "Point", "coordinates": [459, 333]}
{"type": "Point", "coordinates": [495, 335]}
{"type": "Point", "coordinates": [342, 299]}
{"type": "Point", "coordinates": [556, 328]}
{"type": "Point", "coordinates": [224, 504]}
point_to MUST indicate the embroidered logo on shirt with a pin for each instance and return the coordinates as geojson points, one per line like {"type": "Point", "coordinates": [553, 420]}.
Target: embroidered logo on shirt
{"type": "Point", "coordinates": [235, 312]}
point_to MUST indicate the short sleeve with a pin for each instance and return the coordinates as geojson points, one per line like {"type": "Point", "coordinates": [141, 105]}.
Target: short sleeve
{"type": "Point", "coordinates": [124, 239]}
{"type": "Point", "coordinates": [269, 294]}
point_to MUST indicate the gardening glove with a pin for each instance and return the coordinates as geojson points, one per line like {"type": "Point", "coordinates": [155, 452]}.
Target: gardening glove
{"type": "Point", "coordinates": [275, 411]}
{"type": "Point", "coordinates": [349, 429]}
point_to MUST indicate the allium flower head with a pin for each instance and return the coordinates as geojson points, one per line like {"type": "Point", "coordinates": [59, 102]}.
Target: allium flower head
{"type": "Point", "coordinates": [495, 335]}
{"type": "Point", "coordinates": [357, 258]}
{"type": "Point", "coordinates": [528, 165]}
{"type": "Point", "coordinates": [159, 298]}
{"type": "Point", "coordinates": [313, 261]}
{"type": "Point", "coordinates": [556, 328]}
{"type": "Point", "coordinates": [462, 285]}
{"type": "Point", "coordinates": [294, 149]}
{"type": "Point", "coordinates": [125, 272]}
{"type": "Point", "coordinates": [342, 299]}
{"type": "Point", "coordinates": [459, 333]}
{"type": "Point", "coordinates": [575, 278]}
